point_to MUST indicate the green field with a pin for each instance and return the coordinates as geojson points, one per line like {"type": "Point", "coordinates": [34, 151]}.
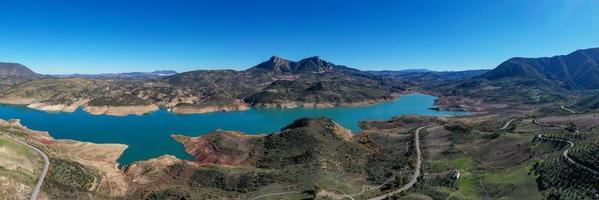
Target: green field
{"type": "Point", "coordinates": [18, 161]}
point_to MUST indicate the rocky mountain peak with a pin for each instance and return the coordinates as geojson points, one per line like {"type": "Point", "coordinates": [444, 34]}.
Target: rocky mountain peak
{"type": "Point", "coordinates": [276, 64]}
{"type": "Point", "coordinates": [278, 61]}
{"type": "Point", "coordinates": [307, 65]}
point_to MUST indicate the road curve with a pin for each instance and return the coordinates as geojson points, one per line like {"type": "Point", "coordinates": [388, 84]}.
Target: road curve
{"type": "Point", "coordinates": [416, 171]}
{"type": "Point", "coordinates": [40, 181]}
{"type": "Point", "coordinates": [567, 109]}
{"type": "Point", "coordinates": [275, 194]}
{"type": "Point", "coordinates": [565, 153]}
{"type": "Point", "coordinates": [507, 124]}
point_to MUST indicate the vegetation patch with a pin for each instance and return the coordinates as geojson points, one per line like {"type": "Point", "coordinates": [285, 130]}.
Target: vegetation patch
{"type": "Point", "coordinates": [69, 176]}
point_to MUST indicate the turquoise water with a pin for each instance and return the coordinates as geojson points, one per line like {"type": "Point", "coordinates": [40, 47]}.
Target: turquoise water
{"type": "Point", "coordinates": [148, 136]}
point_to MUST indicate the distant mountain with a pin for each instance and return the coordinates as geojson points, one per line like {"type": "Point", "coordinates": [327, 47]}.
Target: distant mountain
{"type": "Point", "coordinates": [307, 65]}
{"type": "Point", "coordinates": [576, 71]}
{"type": "Point", "coordinates": [421, 73]}
{"type": "Point", "coordinates": [126, 75]}
{"type": "Point", "coordinates": [415, 70]}
{"type": "Point", "coordinates": [15, 69]}
{"type": "Point", "coordinates": [14, 73]}
{"type": "Point", "coordinates": [533, 80]}
{"type": "Point", "coordinates": [278, 83]}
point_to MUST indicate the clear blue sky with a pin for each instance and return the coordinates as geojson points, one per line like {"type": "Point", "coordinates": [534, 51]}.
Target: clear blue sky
{"type": "Point", "coordinates": [55, 37]}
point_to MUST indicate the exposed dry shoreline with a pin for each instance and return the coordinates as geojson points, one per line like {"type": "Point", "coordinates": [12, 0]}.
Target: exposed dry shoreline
{"type": "Point", "coordinates": [102, 157]}
{"type": "Point", "coordinates": [296, 104]}
{"type": "Point", "coordinates": [191, 109]}
{"type": "Point", "coordinates": [120, 110]}
{"type": "Point", "coordinates": [187, 109]}
{"type": "Point", "coordinates": [58, 107]}
{"type": "Point", "coordinates": [445, 103]}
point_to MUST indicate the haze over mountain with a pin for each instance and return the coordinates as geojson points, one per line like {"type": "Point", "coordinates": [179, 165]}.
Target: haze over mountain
{"type": "Point", "coordinates": [415, 73]}
{"type": "Point", "coordinates": [125, 75]}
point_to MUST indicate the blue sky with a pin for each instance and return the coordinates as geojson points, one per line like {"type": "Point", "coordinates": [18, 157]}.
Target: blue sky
{"type": "Point", "coordinates": [56, 37]}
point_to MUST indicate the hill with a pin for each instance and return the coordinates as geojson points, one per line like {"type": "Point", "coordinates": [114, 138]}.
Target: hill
{"type": "Point", "coordinates": [310, 82]}
{"type": "Point", "coordinates": [307, 65]}
{"type": "Point", "coordinates": [308, 156]}
{"type": "Point", "coordinates": [529, 81]}
{"type": "Point", "coordinates": [15, 69]}
{"type": "Point", "coordinates": [578, 70]}
{"type": "Point", "coordinates": [13, 73]}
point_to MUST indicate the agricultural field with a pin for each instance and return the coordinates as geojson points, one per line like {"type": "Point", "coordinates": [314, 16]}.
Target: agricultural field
{"type": "Point", "coordinates": [19, 169]}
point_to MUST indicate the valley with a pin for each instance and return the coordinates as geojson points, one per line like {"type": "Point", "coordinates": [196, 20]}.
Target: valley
{"type": "Point", "coordinates": [311, 130]}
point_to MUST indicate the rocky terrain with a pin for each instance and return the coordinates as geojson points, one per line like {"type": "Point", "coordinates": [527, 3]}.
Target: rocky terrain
{"type": "Point", "coordinates": [77, 169]}
{"type": "Point", "coordinates": [279, 83]}
{"type": "Point", "coordinates": [532, 135]}
{"type": "Point", "coordinates": [307, 156]}
{"type": "Point", "coordinates": [13, 73]}
{"type": "Point", "coordinates": [465, 157]}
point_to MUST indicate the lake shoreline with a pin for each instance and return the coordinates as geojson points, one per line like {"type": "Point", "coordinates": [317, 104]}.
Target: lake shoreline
{"type": "Point", "coordinates": [148, 135]}
{"type": "Point", "coordinates": [123, 111]}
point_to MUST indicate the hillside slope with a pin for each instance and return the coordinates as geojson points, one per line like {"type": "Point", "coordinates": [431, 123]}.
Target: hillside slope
{"type": "Point", "coordinates": [310, 82]}
{"type": "Point", "coordinates": [14, 73]}
{"type": "Point", "coordinates": [578, 70]}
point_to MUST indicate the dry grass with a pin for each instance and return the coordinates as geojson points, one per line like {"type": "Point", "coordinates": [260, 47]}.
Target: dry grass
{"type": "Point", "coordinates": [502, 152]}
{"type": "Point", "coordinates": [582, 121]}
{"type": "Point", "coordinates": [101, 157]}
{"type": "Point", "coordinates": [19, 168]}
{"type": "Point", "coordinates": [436, 141]}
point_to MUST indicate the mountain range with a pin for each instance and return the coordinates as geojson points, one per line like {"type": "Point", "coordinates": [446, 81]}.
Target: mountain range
{"type": "Point", "coordinates": [578, 70]}
{"type": "Point", "coordinates": [307, 65]}
{"type": "Point", "coordinates": [520, 127]}
{"type": "Point", "coordinates": [309, 82]}
{"type": "Point", "coordinates": [280, 83]}
{"type": "Point", "coordinates": [125, 75]}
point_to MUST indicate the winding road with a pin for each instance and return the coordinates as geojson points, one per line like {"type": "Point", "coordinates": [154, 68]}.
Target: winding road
{"type": "Point", "coordinates": [365, 188]}
{"type": "Point", "coordinates": [567, 109]}
{"type": "Point", "coordinates": [416, 171]}
{"type": "Point", "coordinates": [535, 121]}
{"type": "Point", "coordinates": [40, 182]}
{"type": "Point", "coordinates": [507, 124]}
{"type": "Point", "coordinates": [275, 194]}
{"type": "Point", "coordinates": [565, 153]}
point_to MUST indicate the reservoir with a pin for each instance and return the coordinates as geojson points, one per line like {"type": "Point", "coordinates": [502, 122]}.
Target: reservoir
{"type": "Point", "coordinates": [148, 136]}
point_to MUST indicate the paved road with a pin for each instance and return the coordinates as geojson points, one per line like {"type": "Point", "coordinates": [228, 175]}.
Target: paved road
{"type": "Point", "coordinates": [275, 194]}
{"type": "Point", "coordinates": [364, 188]}
{"type": "Point", "coordinates": [569, 110]}
{"type": "Point", "coordinates": [534, 121]}
{"type": "Point", "coordinates": [565, 154]}
{"type": "Point", "coordinates": [416, 171]}
{"type": "Point", "coordinates": [507, 124]}
{"type": "Point", "coordinates": [40, 181]}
